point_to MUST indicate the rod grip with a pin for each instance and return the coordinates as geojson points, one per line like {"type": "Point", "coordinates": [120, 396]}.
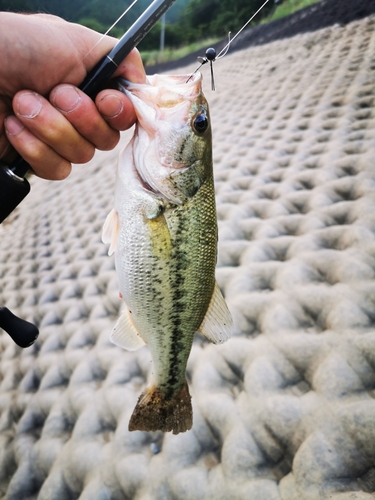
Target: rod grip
{"type": "Point", "coordinates": [22, 332]}
{"type": "Point", "coordinates": [13, 190]}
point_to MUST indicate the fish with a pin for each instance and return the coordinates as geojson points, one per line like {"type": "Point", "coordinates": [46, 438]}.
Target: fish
{"type": "Point", "coordinates": [163, 231]}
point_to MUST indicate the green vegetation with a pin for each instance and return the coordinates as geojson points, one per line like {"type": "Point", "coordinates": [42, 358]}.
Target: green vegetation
{"type": "Point", "coordinates": [151, 57]}
{"type": "Point", "coordinates": [207, 18]}
{"type": "Point", "coordinates": [99, 14]}
{"type": "Point", "coordinates": [287, 8]}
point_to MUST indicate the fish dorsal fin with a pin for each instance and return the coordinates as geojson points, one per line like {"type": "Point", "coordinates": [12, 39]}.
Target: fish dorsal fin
{"type": "Point", "coordinates": [110, 231]}
{"type": "Point", "coordinates": [217, 325]}
{"type": "Point", "coordinates": [125, 334]}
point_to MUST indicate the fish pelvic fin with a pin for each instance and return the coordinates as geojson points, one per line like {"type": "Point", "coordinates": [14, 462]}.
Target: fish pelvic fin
{"type": "Point", "coordinates": [155, 412]}
{"type": "Point", "coordinates": [110, 231]}
{"type": "Point", "coordinates": [125, 334]}
{"type": "Point", "coordinates": [217, 325]}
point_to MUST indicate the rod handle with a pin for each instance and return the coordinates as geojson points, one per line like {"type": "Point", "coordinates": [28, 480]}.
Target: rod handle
{"type": "Point", "coordinates": [13, 189]}
{"type": "Point", "coordinates": [22, 332]}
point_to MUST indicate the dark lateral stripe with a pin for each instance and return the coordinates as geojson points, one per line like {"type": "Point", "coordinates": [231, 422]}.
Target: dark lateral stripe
{"type": "Point", "coordinates": [178, 278]}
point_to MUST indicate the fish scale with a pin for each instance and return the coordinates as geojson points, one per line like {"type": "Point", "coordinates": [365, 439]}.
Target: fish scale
{"type": "Point", "coordinates": [164, 231]}
{"type": "Point", "coordinates": [191, 274]}
{"type": "Point", "coordinates": [172, 291]}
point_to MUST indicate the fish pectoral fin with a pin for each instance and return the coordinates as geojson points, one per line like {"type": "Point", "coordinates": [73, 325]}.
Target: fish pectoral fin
{"type": "Point", "coordinates": [125, 334]}
{"type": "Point", "coordinates": [217, 325]}
{"type": "Point", "coordinates": [110, 231]}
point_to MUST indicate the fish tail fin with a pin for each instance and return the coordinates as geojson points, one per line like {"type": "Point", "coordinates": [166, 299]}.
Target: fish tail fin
{"type": "Point", "coordinates": [155, 412]}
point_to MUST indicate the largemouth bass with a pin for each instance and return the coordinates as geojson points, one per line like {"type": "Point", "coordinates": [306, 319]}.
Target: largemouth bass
{"type": "Point", "coordinates": [163, 229]}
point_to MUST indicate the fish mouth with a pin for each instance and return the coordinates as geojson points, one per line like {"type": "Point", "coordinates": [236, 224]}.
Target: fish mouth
{"type": "Point", "coordinates": [162, 106]}
{"type": "Point", "coordinates": [161, 96]}
{"type": "Point", "coordinates": [184, 83]}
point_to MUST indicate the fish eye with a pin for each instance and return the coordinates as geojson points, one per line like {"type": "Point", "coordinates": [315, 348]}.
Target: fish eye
{"type": "Point", "coordinates": [200, 123]}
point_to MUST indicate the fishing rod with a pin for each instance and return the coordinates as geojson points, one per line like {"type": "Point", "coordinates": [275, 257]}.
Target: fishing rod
{"type": "Point", "coordinates": [14, 187]}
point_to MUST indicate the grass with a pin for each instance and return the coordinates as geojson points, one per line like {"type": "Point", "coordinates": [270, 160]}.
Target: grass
{"type": "Point", "coordinates": [155, 56]}
{"type": "Point", "coordinates": [288, 7]}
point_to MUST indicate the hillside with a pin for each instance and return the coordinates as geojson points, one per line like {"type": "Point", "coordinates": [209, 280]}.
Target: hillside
{"type": "Point", "coordinates": [320, 15]}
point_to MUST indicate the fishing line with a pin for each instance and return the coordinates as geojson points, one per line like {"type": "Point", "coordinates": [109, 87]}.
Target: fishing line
{"type": "Point", "coordinates": [226, 48]}
{"type": "Point", "coordinates": [109, 29]}
{"type": "Point", "coordinates": [211, 55]}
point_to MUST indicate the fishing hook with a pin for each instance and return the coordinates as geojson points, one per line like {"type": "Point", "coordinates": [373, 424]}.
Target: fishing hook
{"type": "Point", "coordinates": [211, 56]}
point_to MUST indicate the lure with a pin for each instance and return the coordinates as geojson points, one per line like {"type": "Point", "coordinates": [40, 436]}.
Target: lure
{"type": "Point", "coordinates": [211, 56]}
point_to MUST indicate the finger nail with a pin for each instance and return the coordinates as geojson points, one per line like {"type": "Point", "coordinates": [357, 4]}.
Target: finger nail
{"type": "Point", "coordinates": [13, 126]}
{"type": "Point", "coordinates": [29, 105]}
{"type": "Point", "coordinates": [66, 98]}
{"type": "Point", "coordinates": [110, 106]}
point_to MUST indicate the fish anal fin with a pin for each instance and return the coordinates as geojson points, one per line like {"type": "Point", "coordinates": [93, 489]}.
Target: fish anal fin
{"type": "Point", "coordinates": [110, 231]}
{"type": "Point", "coordinates": [217, 325]}
{"type": "Point", "coordinates": [125, 334]}
{"type": "Point", "coordinates": [155, 412]}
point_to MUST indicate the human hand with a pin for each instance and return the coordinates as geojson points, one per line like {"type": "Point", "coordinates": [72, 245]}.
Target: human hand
{"type": "Point", "coordinates": [53, 124]}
